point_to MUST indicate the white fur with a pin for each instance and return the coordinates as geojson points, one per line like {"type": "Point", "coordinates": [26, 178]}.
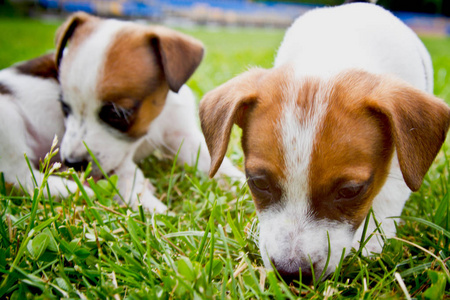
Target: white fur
{"type": "Point", "coordinates": [292, 240]}
{"type": "Point", "coordinates": [321, 44]}
{"type": "Point", "coordinates": [29, 120]}
{"type": "Point", "coordinates": [175, 127]}
{"type": "Point", "coordinates": [326, 41]}
{"type": "Point", "coordinates": [298, 129]}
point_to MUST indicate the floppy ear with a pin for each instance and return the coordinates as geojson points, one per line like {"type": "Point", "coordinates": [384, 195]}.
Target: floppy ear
{"type": "Point", "coordinates": [223, 107]}
{"type": "Point", "coordinates": [180, 55]}
{"type": "Point", "coordinates": [419, 123]}
{"type": "Point", "coordinates": [66, 30]}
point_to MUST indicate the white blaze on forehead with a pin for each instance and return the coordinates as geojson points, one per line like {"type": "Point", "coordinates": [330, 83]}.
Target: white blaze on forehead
{"type": "Point", "coordinates": [81, 77]}
{"type": "Point", "coordinates": [299, 126]}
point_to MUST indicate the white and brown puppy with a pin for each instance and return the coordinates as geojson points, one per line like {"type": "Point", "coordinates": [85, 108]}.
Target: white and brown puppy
{"type": "Point", "coordinates": [343, 122]}
{"type": "Point", "coordinates": [124, 96]}
{"type": "Point", "coordinates": [30, 118]}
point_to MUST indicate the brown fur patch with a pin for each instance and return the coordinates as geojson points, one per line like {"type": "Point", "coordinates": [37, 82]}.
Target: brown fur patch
{"type": "Point", "coordinates": [418, 121]}
{"type": "Point", "coordinates": [259, 129]}
{"type": "Point", "coordinates": [5, 90]}
{"type": "Point", "coordinates": [354, 146]}
{"type": "Point", "coordinates": [43, 66]}
{"type": "Point", "coordinates": [224, 106]}
{"type": "Point", "coordinates": [180, 54]}
{"type": "Point", "coordinates": [368, 116]}
{"type": "Point", "coordinates": [260, 137]}
{"type": "Point", "coordinates": [133, 72]}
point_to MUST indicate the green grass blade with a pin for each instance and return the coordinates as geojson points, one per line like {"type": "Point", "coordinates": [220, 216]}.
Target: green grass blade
{"type": "Point", "coordinates": [429, 224]}
{"type": "Point", "coordinates": [95, 160]}
{"type": "Point", "coordinates": [171, 180]}
{"type": "Point", "coordinates": [2, 184]}
{"type": "Point", "coordinates": [87, 199]}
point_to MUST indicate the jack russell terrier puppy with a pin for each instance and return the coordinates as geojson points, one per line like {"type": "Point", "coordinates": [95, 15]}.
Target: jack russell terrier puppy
{"type": "Point", "coordinates": [343, 122]}
{"type": "Point", "coordinates": [124, 96]}
{"type": "Point", "coordinates": [30, 118]}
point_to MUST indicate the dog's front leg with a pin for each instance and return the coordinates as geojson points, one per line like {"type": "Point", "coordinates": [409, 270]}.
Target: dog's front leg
{"type": "Point", "coordinates": [135, 188]}
{"type": "Point", "coordinates": [61, 187]}
{"type": "Point", "coordinates": [176, 130]}
{"type": "Point", "coordinates": [17, 172]}
{"type": "Point", "coordinates": [57, 186]}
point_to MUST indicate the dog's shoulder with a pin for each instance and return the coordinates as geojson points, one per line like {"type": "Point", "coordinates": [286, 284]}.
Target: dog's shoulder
{"type": "Point", "coordinates": [30, 81]}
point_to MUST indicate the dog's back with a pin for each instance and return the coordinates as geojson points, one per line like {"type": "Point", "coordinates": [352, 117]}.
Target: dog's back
{"type": "Point", "coordinates": [365, 36]}
{"type": "Point", "coordinates": [30, 117]}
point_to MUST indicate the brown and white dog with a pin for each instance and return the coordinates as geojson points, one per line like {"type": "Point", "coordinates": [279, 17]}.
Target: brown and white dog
{"type": "Point", "coordinates": [343, 122]}
{"type": "Point", "coordinates": [124, 96]}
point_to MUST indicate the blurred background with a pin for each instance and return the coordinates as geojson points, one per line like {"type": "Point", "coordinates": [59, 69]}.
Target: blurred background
{"type": "Point", "coordinates": [424, 16]}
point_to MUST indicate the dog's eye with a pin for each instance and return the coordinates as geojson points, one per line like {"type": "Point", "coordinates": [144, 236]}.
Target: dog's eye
{"type": "Point", "coordinates": [65, 108]}
{"type": "Point", "coordinates": [260, 183]}
{"type": "Point", "coordinates": [264, 188]}
{"type": "Point", "coordinates": [118, 117]}
{"type": "Point", "coordinates": [349, 191]}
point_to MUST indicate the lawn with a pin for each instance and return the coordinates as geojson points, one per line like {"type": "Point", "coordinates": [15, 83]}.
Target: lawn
{"type": "Point", "coordinates": [206, 247]}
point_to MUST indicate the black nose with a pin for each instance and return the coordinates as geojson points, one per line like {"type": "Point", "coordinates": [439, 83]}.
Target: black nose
{"type": "Point", "coordinates": [78, 165]}
{"type": "Point", "coordinates": [290, 277]}
{"type": "Point", "coordinates": [290, 272]}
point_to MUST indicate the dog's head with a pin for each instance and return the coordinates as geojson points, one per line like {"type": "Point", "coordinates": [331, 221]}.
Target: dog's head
{"type": "Point", "coordinates": [115, 77]}
{"type": "Point", "coordinates": [317, 152]}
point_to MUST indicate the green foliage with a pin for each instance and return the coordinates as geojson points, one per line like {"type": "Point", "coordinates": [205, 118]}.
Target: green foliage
{"type": "Point", "coordinates": [437, 288]}
{"type": "Point", "coordinates": [206, 246]}
{"type": "Point", "coordinates": [24, 39]}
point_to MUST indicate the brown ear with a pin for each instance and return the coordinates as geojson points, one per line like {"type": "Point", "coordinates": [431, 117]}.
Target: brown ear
{"type": "Point", "coordinates": [419, 123]}
{"type": "Point", "coordinates": [180, 55]}
{"type": "Point", "coordinates": [223, 107]}
{"type": "Point", "coordinates": [65, 32]}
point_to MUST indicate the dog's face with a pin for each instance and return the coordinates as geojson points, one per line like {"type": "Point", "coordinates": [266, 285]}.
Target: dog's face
{"type": "Point", "coordinates": [115, 77]}
{"type": "Point", "coordinates": [317, 152]}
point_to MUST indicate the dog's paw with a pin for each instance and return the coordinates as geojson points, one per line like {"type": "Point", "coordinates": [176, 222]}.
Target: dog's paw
{"type": "Point", "coordinates": [73, 188]}
{"type": "Point", "coordinates": [152, 204]}
{"type": "Point", "coordinates": [148, 201]}
{"type": "Point", "coordinates": [62, 187]}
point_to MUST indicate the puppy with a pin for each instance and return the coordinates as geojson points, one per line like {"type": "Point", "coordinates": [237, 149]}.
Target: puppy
{"type": "Point", "coordinates": [342, 123]}
{"type": "Point", "coordinates": [124, 96]}
{"type": "Point", "coordinates": [30, 118]}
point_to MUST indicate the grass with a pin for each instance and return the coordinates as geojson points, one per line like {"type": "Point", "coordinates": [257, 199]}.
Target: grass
{"type": "Point", "coordinates": [206, 247]}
